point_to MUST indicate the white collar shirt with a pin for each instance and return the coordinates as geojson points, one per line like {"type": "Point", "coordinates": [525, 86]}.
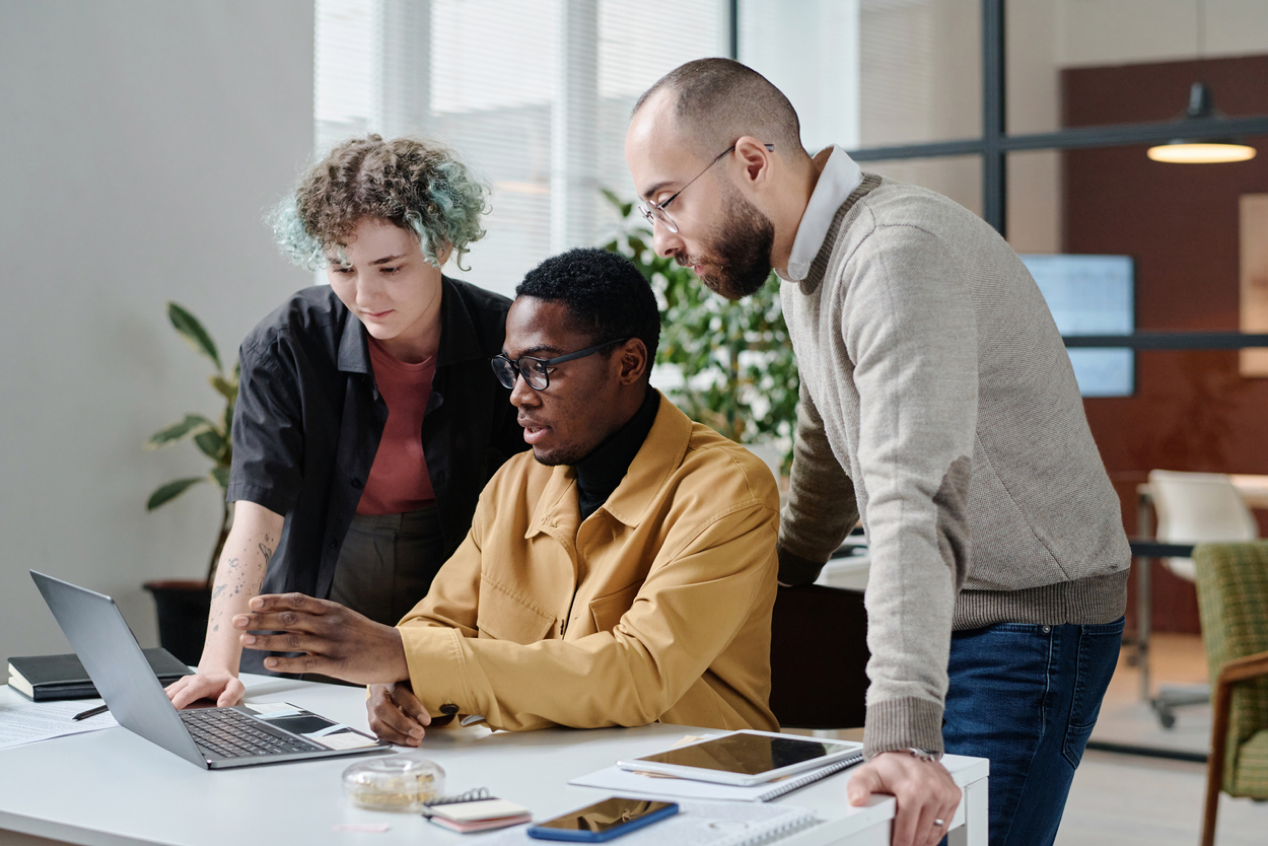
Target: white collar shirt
{"type": "Point", "coordinates": [840, 176]}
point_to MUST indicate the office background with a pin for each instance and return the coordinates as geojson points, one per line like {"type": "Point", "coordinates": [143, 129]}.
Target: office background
{"type": "Point", "coordinates": [144, 140]}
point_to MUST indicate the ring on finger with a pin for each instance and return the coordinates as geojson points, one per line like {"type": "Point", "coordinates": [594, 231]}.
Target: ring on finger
{"type": "Point", "coordinates": [939, 823]}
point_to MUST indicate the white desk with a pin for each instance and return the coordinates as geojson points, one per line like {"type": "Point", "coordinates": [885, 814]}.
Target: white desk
{"type": "Point", "coordinates": [111, 787]}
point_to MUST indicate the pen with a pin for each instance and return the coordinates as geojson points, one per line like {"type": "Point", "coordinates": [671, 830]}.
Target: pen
{"type": "Point", "coordinates": [91, 712]}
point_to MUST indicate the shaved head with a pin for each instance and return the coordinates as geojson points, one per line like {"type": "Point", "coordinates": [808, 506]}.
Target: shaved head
{"type": "Point", "coordinates": [717, 101]}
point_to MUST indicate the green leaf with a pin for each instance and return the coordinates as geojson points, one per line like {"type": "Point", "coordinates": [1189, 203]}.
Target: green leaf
{"type": "Point", "coordinates": [171, 490]}
{"type": "Point", "coordinates": [227, 389]}
{"type": "Point", "coordinates": [221, 477]}
{"type": "Point", "coordinates": [193, 333]}
{"type": "Point", "coordinates": [614, 200]}
{"type": "Point", "coordinates": [211, 442]}
{"type": "Point", "coordinates": [191, 424]}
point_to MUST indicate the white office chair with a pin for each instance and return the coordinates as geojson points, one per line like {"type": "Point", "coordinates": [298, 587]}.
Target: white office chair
{"type": "Point", "coordinates": [1192, 508]}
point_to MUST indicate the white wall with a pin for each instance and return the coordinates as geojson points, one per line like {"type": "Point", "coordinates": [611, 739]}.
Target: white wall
{"type": "Point", "coordinates": [141, 142]}
{"type": "Point", "coordinates": [1123, 32]}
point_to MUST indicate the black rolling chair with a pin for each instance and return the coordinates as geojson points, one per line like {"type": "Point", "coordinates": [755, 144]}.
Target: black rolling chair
{"type": "Point", "coordinates": [818, 657]}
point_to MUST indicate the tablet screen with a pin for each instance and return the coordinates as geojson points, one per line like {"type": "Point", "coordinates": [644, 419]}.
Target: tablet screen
{"type": "Point", "coordinates": [745, 754]}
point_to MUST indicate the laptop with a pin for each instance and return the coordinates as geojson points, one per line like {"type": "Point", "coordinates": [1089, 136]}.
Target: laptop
{"type": "Point", "coordinates": [212, 738]}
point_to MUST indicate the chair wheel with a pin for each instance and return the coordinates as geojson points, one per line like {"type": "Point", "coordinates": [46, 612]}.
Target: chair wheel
{"type": "Point", "coordinates": [1166, 718]}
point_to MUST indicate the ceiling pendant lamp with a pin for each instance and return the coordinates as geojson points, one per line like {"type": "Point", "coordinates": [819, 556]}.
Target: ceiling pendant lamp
{"type": "Point", "coordinates": [1198, 150]}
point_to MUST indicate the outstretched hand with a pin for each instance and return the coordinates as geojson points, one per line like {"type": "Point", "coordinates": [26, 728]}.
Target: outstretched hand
{"type": "Point", "coordinates": [924, 790]}
{"type": "Point", "coordinates": [335, 641]}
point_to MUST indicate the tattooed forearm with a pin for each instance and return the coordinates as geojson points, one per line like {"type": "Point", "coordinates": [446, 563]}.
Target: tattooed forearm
{"type": "Point", "coordinates": [219, 590]}
{"type": "Point", "coordinates": [267, 552]}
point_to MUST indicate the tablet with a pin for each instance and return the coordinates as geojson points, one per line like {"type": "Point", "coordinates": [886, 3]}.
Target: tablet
{"type": "Point", "coordinates": [744, 757]}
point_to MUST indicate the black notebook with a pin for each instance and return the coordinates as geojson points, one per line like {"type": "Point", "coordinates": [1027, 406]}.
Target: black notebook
{"type": "Point", "coordinates": [47, 677]}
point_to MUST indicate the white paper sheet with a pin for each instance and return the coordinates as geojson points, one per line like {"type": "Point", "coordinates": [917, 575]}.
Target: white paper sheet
{"type": "Point", "coordinates": [347, 740]}
{"type": "Point", "coordinates": [272, 710]}
{"type": "Point", "coordinates": [698, 823]}
{"type": "Point", "coordinates": [26, 722]}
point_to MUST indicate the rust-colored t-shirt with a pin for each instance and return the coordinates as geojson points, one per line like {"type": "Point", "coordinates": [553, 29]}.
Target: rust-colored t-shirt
{"type": "Point", "coordinates": [398, 481]}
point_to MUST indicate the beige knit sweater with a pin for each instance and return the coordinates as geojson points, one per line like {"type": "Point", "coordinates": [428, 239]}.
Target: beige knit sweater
{"type": "Point", "coordinates": [940, 407]}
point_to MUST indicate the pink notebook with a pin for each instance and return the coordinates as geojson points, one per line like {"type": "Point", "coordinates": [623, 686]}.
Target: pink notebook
{"type": "Point", "coordinates": [476, 811]}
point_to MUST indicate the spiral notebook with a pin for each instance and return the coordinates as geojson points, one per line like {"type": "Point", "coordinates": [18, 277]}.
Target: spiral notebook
{"type": "Point", "coordinates": [475, 810]}
{"type": "Point", "coordinates": [623, 781]}
{"type": "Point", "coordinates": [702, 824]}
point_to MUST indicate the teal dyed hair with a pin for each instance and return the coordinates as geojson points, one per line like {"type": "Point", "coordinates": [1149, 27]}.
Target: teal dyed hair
{"type": "Point", "coordinates": [416, 185]}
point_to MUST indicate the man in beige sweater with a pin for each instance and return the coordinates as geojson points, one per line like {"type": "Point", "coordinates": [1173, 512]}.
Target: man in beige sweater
{"type": "Point", "coordinates": [940, 409]}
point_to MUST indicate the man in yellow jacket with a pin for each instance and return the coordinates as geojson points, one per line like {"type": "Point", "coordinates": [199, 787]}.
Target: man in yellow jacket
{"type": "Point", "coordinates": [623, 573]}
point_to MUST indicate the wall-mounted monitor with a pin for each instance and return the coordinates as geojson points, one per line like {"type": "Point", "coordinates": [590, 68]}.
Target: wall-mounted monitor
{"type": "Point", "coordinates": [1092, 295]}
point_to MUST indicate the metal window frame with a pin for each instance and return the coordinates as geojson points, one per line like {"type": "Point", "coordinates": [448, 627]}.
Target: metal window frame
{"type": "Point", "coordinates": [995, 144]}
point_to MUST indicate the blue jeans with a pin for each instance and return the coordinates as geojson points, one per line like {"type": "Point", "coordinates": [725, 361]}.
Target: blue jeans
{"type": "Point", "coordinates": [1027, 697]}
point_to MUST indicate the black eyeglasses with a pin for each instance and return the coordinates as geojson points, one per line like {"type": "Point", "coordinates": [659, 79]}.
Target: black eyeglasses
{"type": "Point", "coordinates": [536, 371]}
{"type": "Point", "coordinates": [653, 212]}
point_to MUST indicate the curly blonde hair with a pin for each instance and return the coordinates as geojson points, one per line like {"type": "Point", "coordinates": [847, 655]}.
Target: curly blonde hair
{"type": "Point", "coordinates": [416, 185]}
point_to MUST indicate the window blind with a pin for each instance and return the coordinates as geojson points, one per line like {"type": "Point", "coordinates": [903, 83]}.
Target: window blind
{"type": "Point", "coordinates": [533, 95]}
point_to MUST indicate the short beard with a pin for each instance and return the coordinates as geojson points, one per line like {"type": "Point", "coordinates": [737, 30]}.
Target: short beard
{"type": "Point", "coordinates": [741, 247]}
{"type": "Point", "coordinates": [563, 456]}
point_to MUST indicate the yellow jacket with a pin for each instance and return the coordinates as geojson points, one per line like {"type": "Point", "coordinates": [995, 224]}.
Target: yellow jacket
{"type": "Point", "coordinates": [657, 607]}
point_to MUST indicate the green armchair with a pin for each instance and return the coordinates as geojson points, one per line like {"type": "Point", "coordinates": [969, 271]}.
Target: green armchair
{"type": "Point", "coordinates": [1232, 581]}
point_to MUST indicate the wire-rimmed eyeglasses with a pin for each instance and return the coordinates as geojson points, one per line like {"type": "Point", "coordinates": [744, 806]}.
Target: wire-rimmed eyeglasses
{"type": "Point", "coordinates": [653, 212]}
{"type": "Point", "coordinates": [536, 371]}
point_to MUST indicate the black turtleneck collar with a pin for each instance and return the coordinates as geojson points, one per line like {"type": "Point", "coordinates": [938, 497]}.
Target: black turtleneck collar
{"type": "Point", "coordinates": [600, 472]}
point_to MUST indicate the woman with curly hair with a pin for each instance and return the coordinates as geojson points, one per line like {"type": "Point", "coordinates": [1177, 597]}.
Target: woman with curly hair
{"type": "Point", "coordinates": [368, 419]}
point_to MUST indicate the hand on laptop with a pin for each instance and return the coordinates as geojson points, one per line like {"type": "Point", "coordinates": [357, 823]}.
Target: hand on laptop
{"type": "Point", "coordinates": [396, 715]}
{"type": "Point", "coordinates": [221, 686]}
{"type": "Point", "coordinates": [336, 641]}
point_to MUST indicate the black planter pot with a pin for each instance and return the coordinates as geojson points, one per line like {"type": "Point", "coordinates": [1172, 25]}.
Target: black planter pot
{"type": "Point", "coordinates": [183, 606]}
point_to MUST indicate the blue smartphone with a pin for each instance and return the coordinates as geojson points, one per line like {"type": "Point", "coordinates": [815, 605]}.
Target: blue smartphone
{"type": "Point", "coordinates": [603, 821]}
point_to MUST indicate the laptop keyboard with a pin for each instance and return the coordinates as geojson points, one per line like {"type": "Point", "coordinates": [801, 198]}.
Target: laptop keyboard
{"type": "Point", "coordinates": [232, 734]}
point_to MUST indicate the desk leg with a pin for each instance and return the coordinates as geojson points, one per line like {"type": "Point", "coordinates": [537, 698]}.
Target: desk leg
{"type": "Point", "coordinates": [1144, 622]}
{"type": "Point", "coordinates": [976, 828]}
{"type": "Point", "coordinates": [1144, 595]}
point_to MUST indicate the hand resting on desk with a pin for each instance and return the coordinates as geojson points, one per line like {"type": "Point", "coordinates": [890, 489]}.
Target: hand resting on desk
{"type": "Point", "coordinates": [396, 715]}
{"type": "Point", "coordinates": [924, 791]}
{"type": "Point", "coordinates": [336, 641]}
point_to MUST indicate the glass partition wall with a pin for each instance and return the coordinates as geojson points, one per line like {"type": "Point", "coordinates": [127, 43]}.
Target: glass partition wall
{"type": "Point", "coordinates": [1038, 115]}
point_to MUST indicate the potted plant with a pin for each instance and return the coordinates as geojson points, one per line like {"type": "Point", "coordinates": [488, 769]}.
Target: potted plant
{"type": "Point", "coordinates": [739, 375]}
{"type": "Point", "coordinates": [183, 604]}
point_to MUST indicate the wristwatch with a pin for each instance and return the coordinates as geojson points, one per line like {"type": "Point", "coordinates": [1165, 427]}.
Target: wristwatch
{"type": "Point", "coordinates": [922, 754]}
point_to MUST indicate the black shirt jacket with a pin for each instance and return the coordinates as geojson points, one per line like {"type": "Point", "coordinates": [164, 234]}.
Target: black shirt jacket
{"type": "Point", "coordinates": [309, 419]}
